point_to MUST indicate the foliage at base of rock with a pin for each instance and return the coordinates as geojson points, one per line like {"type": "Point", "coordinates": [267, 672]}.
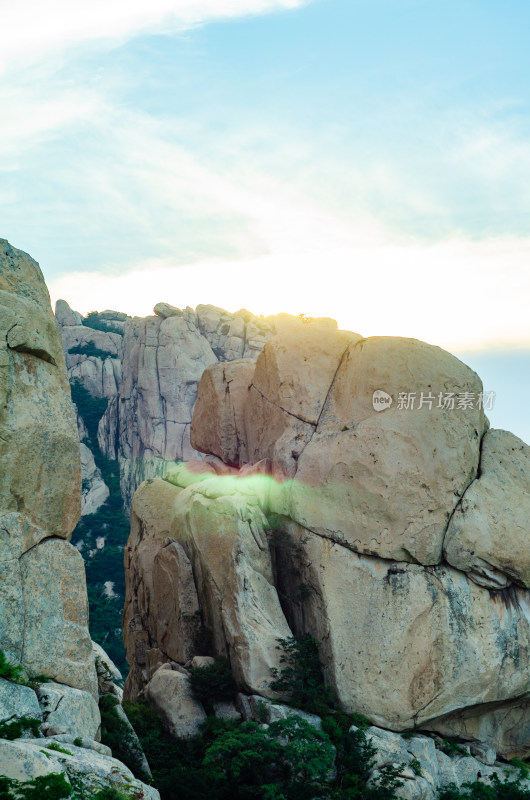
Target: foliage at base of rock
{"type": "Point", "coordinates": [300, 676]}
{"type": "Point", "coordinates": [212, 683]}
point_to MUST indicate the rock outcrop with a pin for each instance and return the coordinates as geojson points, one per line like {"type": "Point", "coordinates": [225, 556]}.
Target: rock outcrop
{"type": "Point", "coordinates": [43, 607]}
{"type": "Point", "coordinates": [43, 599]}
{"type": "Point", "coordinates": [161, 361]}
{"type": "Point", "coordinates": [94, 489]}
{"type": "Point", "coordinates": [397, 538]}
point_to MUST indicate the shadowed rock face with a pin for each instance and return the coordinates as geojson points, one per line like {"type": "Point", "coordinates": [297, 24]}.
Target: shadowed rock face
{"type": "Point", "coordinates": [397, 538]}
{"type": "Point", "coordinates": [43, 605]}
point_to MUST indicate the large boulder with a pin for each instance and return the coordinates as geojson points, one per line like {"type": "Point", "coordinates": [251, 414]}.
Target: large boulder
{"type": "Point", "coordinates": [225, 534]}
{"type": "Point", "coordinates": [503, 727]}
{"type": "Point", "coordinates": [378, 619]}
{"type": "Point", "coordinates": [385, 483]}
{"type": "Point", "coordinates": [55, 641]}
{"type": "Point", "coordinates": [289, 387]}
{"type": "Point", "coordinates": [218, 425]}
{"type": "Point", "coordinates": [43, 604]}
{"type": "Point", "coordinates": [18, 701]}
{"type": "Point", "coordinates": [170, 693]}
{"type": "Point", "coordinates": [489, 533]}
{"type": "Point", "coordinates": [68, 710]}
{"type": "Point", "coordinates": [161, 619]}
{"type": "Point", "coordinates": [39, 449]}
{"type": "Point", "coordinates": [382, 529]}
{"type": "Point", "coordinates": [86, 768]}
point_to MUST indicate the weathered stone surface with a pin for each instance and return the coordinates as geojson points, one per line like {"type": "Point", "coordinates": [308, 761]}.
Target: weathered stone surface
{"type": "Point", "coordinates": [65, 316]}
{"type": "Point", "coordinates": [99, 374]}
{"type": "Point", "coordinates": [170, 693]}
{"type": "Point", "coordinates": [43, 608]}
{"type": "Point", "coordinates": [504, 728]}
{"type": "Point", "coordinates": [438, 770]}
{"type": "Point", "coordinates": [24, 760]}
{"type": "Point", "coordinates": [94, 489]}
{"type": "Point", "coordinates": [489, 533]}
{"type": "Point", "coordinates": [218, 425]}
{"type": "Point", "coordinates": [233, 336]}
{"type": "Point", "coordinates": [202, 661]}
{"type": "Point", "coordinates": [163, 360]}
{"type": "Point", "coordinates": [107, 672]}
{"type": "Point", "coordinates": [134, 746]}
{"type": "Point", "coordinates": [385, 483]}
{"type": "Point", "coordinates": [147, 422]}
{"type": "Point", "coordinates": [293, 375]}
{"type": "Point", "coordinates": [377, 619]}
{"type": "Point", "coordinates": [39, 449]}
{"type": "Point", "coordinates": [263, 710]}
{"type": "Point", "coordinates": [161, 606]}
{"type": "Point", "coordinates": [56, 642]}
{"type": "Point", "coordinates": [225, 536]}
{"type": "Point", "coordinates": [342, 511]}
{"type": "Point", "coordinates": [164, 310]}
{"type": "Point", "coordinates": [67, 710]}
{"type": "Point", "coordinates": [18, 701]}
{"type": "Point", "coordinates": [226, 710]}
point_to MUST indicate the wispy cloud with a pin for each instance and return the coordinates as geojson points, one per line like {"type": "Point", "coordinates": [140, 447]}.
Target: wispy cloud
{"type": "Point", "coordinates": [32, 29]}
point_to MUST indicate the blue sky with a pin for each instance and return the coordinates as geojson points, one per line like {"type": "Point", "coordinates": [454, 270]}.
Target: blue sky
{"type": "Point", "coordinates": [362, 159]}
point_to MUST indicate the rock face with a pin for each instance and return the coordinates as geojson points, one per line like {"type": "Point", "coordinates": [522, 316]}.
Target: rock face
{"type": "Point", "coordinates": [43, 599]}
{"type": "Point", "coordinates": [161, 361]}
{"type": "Point", "coordinates": [149, 370]}
{"type": "Point", "coordinates": [43, 608]}
{"type": "Point", "coordinates": [397, 538]}
{"type": "Point", "coordinates": [169, 692]}
{"type": "Point", "coordinates": [95, 490]}
{"type": "Point", "coordinates": [489, 535]}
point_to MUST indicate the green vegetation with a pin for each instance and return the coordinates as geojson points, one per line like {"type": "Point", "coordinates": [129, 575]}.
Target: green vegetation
{"type": "Point", "coordinates": [108, 521]}
{"type": "Point", "coordinates": [212, 683]}
{"type": "Point", "coordinates": [10, 671]}
{"type": "Point", "coordinates": [91, 409]}
{"type": "Point", "coordinates": [16, 673]}
{"type": "Point", "coordinates": [451, 748]}
{"type": "Point", "coordinates": [17, 727]}
{"type": "Point", "coordinates": [58, 749]}
{"type": "Point", "coordinates": [300, 678]}
{"type": "Point", "coordinates": [111, 793]}
{"type": "Point", "coordinates": [507, 789]}
{"type": "Point", "coordinates": [522, 766]}
{"type": "Point", "coordinates": [90, 349]}
{"type": "Point", "coordinates": [288, 760]}
{"type": "Point", "coordinates": [51, 787]}
{"type": "Point", "coordinates": [416, 767]}
{"type": "Point", "coordinates": [56, 787]}
{"type": "Point", "coordinates": [93, 320]}
{"type": "Point", "coordinates": [116, 734]}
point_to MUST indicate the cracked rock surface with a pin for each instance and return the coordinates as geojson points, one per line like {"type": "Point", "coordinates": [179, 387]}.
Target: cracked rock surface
{"type": "Point", "coordinates": [397, 538]}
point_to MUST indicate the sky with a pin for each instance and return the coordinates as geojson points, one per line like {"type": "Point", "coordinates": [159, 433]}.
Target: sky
{"type": "Point", "coordinates": [367, 160]}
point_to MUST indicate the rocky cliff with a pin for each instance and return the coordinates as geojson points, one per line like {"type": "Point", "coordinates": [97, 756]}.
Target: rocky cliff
{"type": "Point", "coordinates": [149, 370]}
{"type": "Point", "coordinates": [49, 684]}
{"type": "Point", "coordinates": [398, 538]}
{"type": "Point", "coordinates": [134, 382]}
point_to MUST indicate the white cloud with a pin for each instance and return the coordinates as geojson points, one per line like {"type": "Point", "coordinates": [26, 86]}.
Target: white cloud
{"type": "Point", "coordinates": [34, 28]}
{"type": "Point", "coordinates": [453, 294]}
